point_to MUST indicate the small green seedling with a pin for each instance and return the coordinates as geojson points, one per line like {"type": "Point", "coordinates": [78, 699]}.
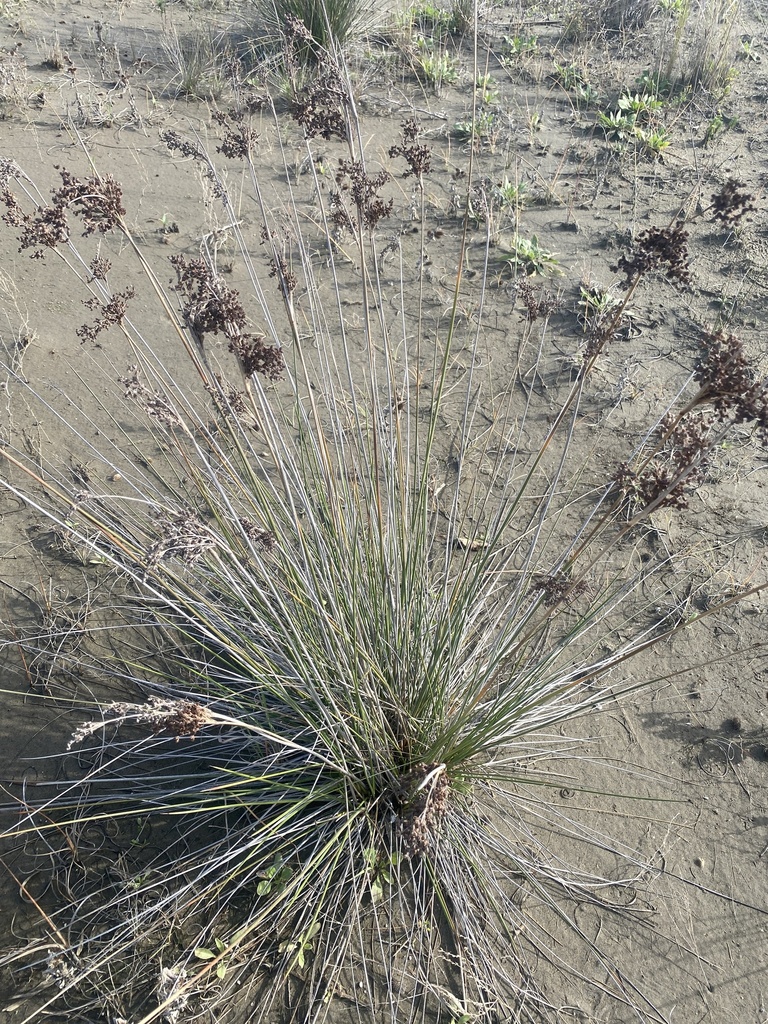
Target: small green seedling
{"type": "Point", "coordinates": [747, 49]}
{"type": "Point", "coordinates": [586, 94]}
{"type": "Point", "coordinates": [616, 126]}
{"type": "Point", "coordinates": [207, 953]}
{"type": "Point", "coordinates": [460, 1014]}
{"type": "Point", "coordinates": [655, 141]}
{"type": "Point", "coordinates": [654, 83]}
{"type": "Point", "coordinates": [568, 75]}
{"type": "Point", "coordinates": [485, 86]}
{"type": "Point", "coordinates": [428, 18]}
{"type": "Point", "coordinates": [676, 8]}
{"type": "Point", "coordinates": [529, 256]}
{"type": "Point", "coordinates": [138, 881]}
{"type": "Point", "coordinates": [573, 79]}
{"type": "Point", "coordinates": [168, 225]}
{"type": "Point", "coordinates": [638, 105]}
{"type": "Point", "coordinates": [380, 871]}
{"type": "Point", "coordinates": [484, 126]}
{"type": "Point", "coordinates": [595, 305]}
{"type": "Point", "coordinates": [275, 878]}
{"type": "Point", "coordinates": [300, 946]}
{"type": "Point", "coordinates": [595, 301]}
{"type": "Point", "coordinates": [437, 69]}
{"type": "Point", "coordinates": [518, 46]}
{"type": "Point", "coordinates": [511, 194]}
{"type": "Point", "coordinates": [719, 124]}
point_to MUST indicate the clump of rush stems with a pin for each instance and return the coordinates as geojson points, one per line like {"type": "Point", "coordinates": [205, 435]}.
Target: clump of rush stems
{"type": "Point", "coordinates": [345, 680]}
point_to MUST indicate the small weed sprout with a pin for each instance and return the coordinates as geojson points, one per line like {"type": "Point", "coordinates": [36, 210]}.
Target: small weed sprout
{"type": "Point", "coordinates": [568, 75]}
{"type": "Point", "coordinates": [718, 124]}
{"type": "Point", "coordinates": [514, 47]}
{"type": "Point", "coordinates": [429, 20]}
{"type": "Point", "coordinates": [748, 49]}
{"type": "Point", "coordinates": [616, 126]}
{"type": "Point", "coordinates": [656, 142]}
{"type": "Point", "coordinates": [529, 256]}
{"type": "Point", "coordinates": [434, 20]}
{"type": "Point", "coordinates": [635, 120]}
{"type": "Point", "coordinates": [434, 68]}
{"type": "Point", "coordinates": [512, 195]}
{"type": "Point", "coordinates": [484, 127]}
{"type": "Point", "coordinates": [216, 952]}
{"type": "Point", "coordinates": [486, 90]}
{"type": "Point", "coordinates": [655, 84]}
{"type": "Point", "coordinates": [595, 302]}
{"type": "Point", "coordinates": [639, 106]}
{"type": "Point", "coordinates": [574, 80]}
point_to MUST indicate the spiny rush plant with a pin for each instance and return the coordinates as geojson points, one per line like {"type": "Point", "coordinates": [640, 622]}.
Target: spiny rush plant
{"type": "Point", "coordinates": [345, 654]}
{"type": "Point", "coordinates": [314, 26]}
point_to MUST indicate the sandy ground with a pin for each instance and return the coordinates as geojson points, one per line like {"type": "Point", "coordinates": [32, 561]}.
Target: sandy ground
{"type": "Point", "coordinates": [698, 743]}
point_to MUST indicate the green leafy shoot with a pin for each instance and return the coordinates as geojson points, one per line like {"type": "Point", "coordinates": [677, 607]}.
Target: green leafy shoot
{"type": "Point", "coordinates": [530, 257]}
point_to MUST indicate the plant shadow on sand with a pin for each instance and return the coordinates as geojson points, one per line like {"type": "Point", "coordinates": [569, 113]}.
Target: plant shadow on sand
{"type": "Point", "coordinates": [357, 612]}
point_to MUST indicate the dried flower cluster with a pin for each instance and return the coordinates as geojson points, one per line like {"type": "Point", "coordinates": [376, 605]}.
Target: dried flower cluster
{"type": "Point", "coordinates": [423, 800]}
{"type": "Point", "coordinates": [264, 540]}
{"type": "Point", "coordinates": [100, 266]}
{"type": "Point", "coordinates": [239, 138]}
{"type": "Point", "coordinates": [184, 536]}
{"type": "Point", "coordinates": [112, 313]}
{"type": "Point", "coordinates": [339, 215]}
{"type": "Point", "coordinates": [299, 45]}
{"type": "Point", "coordinates": [685, 443]}
{"type": "Point", "coordinates": [179, 717]}
{"type": "Point", "coordinates": [729, 205]}
{"type": "Point", "coordinates": [46, 229]}
{"type": "Point", "coordinates": [479, 200]}
{"type": "Point", "coordinates": [538, 302]}
{"type": "Point", "coordinates": [678, 466]}
{"type": "Point", "coordinates": [97, 201]}
{"type": "Point", "coordinates": [176, 144]}
{"type": "Point", "coordinates": [558, 587]}
{"type": "Point", "coordinates": [278, 262]}
{"type": "Point", "coordinates": [663, 249]}
{"type": "Point", "coordinates": [231, 403]}
{"type": "Point", "coordinates": [210, 307]}
{"type": "Point", "coordinates": [153, 403]}
{"type": "Point", "coordinates": [9, 170]}
{"type": "Point", "coordinates": [417, 156]}
{"type": "Point", "coordinates": [256, 356]}
{"type": "Point", "coordinates": [320, 107]}
{"type": "Point", "coordinates": [727, 380]}
{"type": "Point", "coordinates": [363, 190]}
{"type": "Point", "coordinates": [600, 330]}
